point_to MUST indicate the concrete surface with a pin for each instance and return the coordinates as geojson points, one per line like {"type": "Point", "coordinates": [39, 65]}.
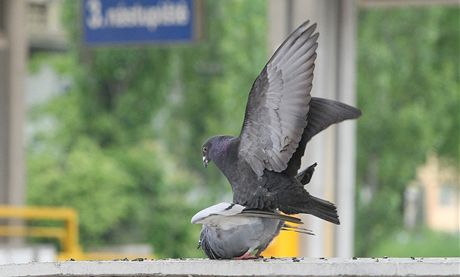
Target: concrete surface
{"type": "Point", "coordinates": [27, 254]}
{"type": "Point", "coordinates": [261, 267]}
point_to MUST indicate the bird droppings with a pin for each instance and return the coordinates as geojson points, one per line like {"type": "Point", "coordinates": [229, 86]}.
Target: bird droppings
{"type": "Point", "coordinates": [417, 267]}
{"type": "Point", "coordinates": [354, 258]}
{"type": "Point", "coordinates": [322, 258]}
{"type": "Point", "coordinates": [385, 257]}
{"type": "Point", "coordinates": [413, 258]}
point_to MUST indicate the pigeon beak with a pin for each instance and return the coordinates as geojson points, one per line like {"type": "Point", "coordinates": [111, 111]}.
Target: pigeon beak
{"type": "Point", "coordinates": [205, 161]}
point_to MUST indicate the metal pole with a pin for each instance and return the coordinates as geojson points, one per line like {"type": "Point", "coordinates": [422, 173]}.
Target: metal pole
{"type": "Point", "coordinates": [346, 131]}
{"type": "Point", "coordinates": [4, 73]}
{"type": "Point", "coordinates": [13, 51]}
{"type": "Point", "coordinates": [17, 67]}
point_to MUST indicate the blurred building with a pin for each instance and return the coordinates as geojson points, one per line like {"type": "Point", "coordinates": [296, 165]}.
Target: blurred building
{"type": "Point", "coordinates": [438, 187]}
{"type": "Point", "coordinates": [44, 26]}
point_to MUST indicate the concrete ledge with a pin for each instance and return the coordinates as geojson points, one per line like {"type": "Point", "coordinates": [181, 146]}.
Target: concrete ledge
{"type": "Point", "coordinates": [260, 267]}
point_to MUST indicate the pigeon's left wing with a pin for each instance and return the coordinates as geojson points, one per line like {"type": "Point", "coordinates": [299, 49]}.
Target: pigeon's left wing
{"type": "Point", "coordinates": [278, 104]}
{"type": "Point", "coordinates": [273, 215]}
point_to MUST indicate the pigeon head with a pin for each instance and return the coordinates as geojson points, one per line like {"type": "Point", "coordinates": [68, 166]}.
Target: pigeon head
{"type": "Point", "coordinates": [214, 148]}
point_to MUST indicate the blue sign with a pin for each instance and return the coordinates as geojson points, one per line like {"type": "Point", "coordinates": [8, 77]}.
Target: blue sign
{"type": "Point", "coordinates": [138, 21]}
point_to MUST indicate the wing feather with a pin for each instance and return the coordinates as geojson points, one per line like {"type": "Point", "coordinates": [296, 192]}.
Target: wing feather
{"type": "Point", "coordinates": [322, 114]}
{"type": "Point", "coordinates": [278, 104]}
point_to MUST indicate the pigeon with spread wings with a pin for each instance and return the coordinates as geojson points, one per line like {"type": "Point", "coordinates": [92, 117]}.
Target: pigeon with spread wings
{"type": "Point", "coordinates": [281, 117]}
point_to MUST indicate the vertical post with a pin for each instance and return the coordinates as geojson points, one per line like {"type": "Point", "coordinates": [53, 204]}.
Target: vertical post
{"type": "Point", "coordinates": [321, 149]}
{"type": "Point", "coordinates": [17, 34]}
{"type": "Point", "coordinates": [13, 50]}
{"type": "Point", "coordinates": [13, 47]}
{"type": "Point", "coordinates": [3, 104]}
{"type": "Point", "coordinates": [346, 132]}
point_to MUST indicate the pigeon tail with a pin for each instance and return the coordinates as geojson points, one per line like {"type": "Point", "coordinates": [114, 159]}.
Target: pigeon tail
{"type": "Point", "coordinates": [295, 199]}
{"type": "Point", "coordinates": [322, 209]}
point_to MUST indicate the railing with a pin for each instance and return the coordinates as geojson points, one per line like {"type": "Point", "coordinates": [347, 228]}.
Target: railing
{"type": "Point", "coordinates": [67, 235]}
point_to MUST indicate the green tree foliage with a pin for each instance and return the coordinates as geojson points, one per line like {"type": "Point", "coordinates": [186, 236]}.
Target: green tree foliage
{"type": "Point", "coordinates": [124, 143]}
{"type": "Point", "coordinates": [408, 88]}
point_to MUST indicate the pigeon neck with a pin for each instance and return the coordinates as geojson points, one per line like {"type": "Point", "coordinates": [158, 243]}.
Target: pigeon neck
{"type": "Point", "coordinates": [226, 153]}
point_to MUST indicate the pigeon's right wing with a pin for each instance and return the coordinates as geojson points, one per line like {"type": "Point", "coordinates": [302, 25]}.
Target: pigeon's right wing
{"type": "Point", "coordinates": [278, 104]}
{"type": "Point", "coordinates": [322, 114]}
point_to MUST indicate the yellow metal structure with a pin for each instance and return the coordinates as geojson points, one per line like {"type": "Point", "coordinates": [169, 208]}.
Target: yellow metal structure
{"type": "Point", "coordinates": [286, 244]}
{"type": "Point", "coordinates": [67, 235]}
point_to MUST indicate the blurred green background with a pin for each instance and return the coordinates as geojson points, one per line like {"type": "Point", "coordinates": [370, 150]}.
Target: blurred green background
{"type": "Point", "coordinates": [123, 145]}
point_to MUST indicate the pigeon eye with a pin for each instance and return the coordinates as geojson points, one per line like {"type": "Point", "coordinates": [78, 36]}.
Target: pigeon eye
{"type": "Point", "coordinates": [205, 149]}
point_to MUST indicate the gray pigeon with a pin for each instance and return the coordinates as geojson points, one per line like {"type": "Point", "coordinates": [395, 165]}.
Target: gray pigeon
{"type": "Point", "coordinates": [281, 117]}
{"type": "Point", "coordinates": [231, 231]}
